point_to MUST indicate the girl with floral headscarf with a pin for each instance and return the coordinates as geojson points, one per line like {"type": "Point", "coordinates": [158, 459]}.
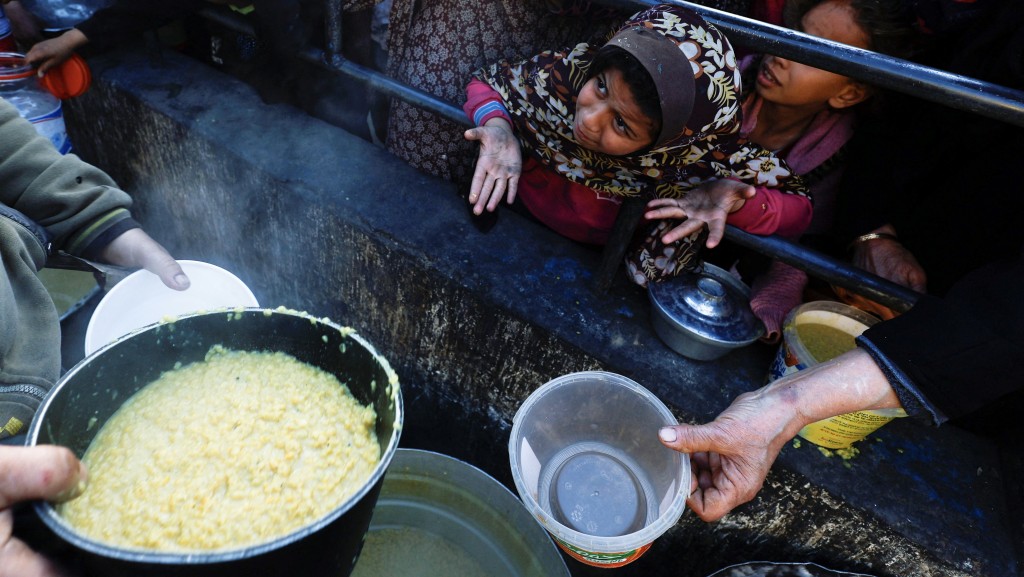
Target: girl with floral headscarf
{"type": "Point", "coordinates": [652, 113]}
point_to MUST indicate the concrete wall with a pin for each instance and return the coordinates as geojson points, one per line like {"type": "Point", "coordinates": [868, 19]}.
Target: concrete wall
{"type": "Point", "coordinates": [315, 219]}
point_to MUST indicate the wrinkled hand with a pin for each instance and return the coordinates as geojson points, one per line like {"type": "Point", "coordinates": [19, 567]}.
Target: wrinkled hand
{"type": "Point", "coordinates": [730, 456]}
{"type": "Point", "coordinates": [136, 249]}
{"type": "Point", "coordinates": [41, 472]}
{"type": "Point", "coordinates": [498, 165]}
{"type": "Point", "coordinates": [890, 260]}
{"type": "Point", "coordinates": [709, 203]}
{"type": "Point", "coordinates": [49, 53]}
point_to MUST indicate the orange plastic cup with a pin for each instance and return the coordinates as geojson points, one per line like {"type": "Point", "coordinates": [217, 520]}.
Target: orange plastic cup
{"type": "Point", "coordinates": [69, 79]}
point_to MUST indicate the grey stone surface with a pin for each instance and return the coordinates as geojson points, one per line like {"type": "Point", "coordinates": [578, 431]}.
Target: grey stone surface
{"type": "Point", "coordinates": [315, 219]}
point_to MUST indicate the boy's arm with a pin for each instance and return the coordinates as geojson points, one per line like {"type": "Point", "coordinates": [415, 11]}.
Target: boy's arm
{"type": "Point", "coordinates": [125, 19]}
{"type": "Point", "coordinates": [78, 204]}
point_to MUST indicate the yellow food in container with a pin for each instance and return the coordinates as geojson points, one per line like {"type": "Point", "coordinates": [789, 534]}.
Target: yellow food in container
{"type": "Point", "coordinates": [229, 452]}
{"type": "Point", "coordinates": [816, 332]}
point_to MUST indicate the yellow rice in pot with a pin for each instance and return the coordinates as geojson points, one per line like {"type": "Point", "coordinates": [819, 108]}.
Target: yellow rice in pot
{"type": "Point", "coordinates": [236, 450]}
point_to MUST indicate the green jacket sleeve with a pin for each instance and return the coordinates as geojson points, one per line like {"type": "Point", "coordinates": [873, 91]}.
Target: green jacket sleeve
{"type": "Point", "coordinates": [78, 204]}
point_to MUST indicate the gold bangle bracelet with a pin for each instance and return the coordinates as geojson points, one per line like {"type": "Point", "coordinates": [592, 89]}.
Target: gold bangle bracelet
{"type": "Point", "coordinates": [872, 236]}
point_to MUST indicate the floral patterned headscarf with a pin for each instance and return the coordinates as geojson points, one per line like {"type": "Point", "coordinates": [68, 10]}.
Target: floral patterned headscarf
{"type": "Point", "coordinates": [540, 94]}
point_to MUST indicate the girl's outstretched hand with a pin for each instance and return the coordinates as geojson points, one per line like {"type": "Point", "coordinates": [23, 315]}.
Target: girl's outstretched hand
{"type": "Point", "coordinates": [710, 203]}
{"type": "Point", "coordinates": [498, 165]}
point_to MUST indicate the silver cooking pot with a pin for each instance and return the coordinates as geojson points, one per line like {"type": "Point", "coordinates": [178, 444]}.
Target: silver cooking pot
{"type": "Point", "coordinates": [703, 315]}
{"type": "Point", "coordinates": [85, 398]}
{"type": "Point", "coordinates": [770, 569]}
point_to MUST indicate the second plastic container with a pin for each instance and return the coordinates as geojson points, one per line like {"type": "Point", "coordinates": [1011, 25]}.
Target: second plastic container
{"type": "Point", "coordinates": [588, 465]}
{"type": "Point", "coordinates": [20, 86]}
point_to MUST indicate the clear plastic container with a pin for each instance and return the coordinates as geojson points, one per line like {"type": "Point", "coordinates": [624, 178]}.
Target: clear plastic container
{"type": "Point", "coordinates": [588, 465]}
{"type": "Point", "coordinates": [20, 86]}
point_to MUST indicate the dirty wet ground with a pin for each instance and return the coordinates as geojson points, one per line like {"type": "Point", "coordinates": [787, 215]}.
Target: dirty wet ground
{"type": "Point", "coordinates": [315, 219]}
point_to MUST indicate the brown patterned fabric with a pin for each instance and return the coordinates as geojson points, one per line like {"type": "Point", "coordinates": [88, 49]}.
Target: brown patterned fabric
{"type": "Point", "coordinates": [358, 5]}
{"type": "Point", "coordinates": [436, 45]}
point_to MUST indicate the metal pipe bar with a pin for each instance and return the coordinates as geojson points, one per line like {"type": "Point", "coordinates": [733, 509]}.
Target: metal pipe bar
{"type": "Point", "coordinates": [386, 85]}
{"type": "Point", "coordinates": [826, 268]}
{"type": "Point", "coordinates": [332, 29]}
{"type": "Point", "coordinates": [928, 83]}
{"type": "Point", "coordinates": [924, 82]}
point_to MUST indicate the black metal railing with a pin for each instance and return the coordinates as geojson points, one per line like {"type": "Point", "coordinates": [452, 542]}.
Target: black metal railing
{"type": "Point", "coordinates": [880, 70]}
{"type": "Point", "coordinates": [899, 75]}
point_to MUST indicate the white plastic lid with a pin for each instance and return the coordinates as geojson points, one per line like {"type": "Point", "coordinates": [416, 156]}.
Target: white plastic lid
{"type": "Point", "coordinates": [142, 299]}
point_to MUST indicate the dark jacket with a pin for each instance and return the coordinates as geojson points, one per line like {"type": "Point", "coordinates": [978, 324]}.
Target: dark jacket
{"type": "Point", "coordinates": [951, 186]}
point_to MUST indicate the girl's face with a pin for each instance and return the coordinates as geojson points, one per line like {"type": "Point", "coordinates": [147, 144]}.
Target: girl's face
{"type": "Point", "coordinates": [608, 119]}
{"type": "Point", "coordinates": [792, 84]}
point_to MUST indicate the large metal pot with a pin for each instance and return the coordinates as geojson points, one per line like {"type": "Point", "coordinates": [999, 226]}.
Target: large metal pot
{"type": "Point", "coordinates": [770, 569]}
{"type": "Point", "coordinates": [85, 398]}
{"type": "Point", "coordinates": [443, 497]}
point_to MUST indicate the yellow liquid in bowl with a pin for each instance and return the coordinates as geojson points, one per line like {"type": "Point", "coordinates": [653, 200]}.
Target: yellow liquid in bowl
{"type": "Point", "coordinates": [824, 342]}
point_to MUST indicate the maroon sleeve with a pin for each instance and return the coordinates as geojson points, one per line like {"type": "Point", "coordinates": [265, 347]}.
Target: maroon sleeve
{"type": "Point", "coordinates": [772, 211]}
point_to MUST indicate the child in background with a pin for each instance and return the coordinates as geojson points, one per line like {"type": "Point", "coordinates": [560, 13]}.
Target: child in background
{"type": "Point", "coordinates": [807, 115]}
{"type": "Point", "coordinates": [281, 28]}
{"type": "Point", "coordinates": [652, 113]}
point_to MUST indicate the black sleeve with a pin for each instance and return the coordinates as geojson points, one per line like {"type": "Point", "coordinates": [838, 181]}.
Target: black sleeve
{"type": "Point", "coordinates": [126, 19]}
{"type": "Point", "coordinates": [962, 354]}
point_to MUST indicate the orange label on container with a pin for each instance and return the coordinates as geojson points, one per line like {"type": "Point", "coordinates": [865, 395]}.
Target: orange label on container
{"type": "Point", "coordinates": [607, 560]}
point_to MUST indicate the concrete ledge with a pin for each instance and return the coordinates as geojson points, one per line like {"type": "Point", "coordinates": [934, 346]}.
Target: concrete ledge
{"type": "Point", "coordinates": [316, 219]}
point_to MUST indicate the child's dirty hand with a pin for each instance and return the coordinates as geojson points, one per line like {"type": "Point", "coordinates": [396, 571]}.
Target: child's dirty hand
{"type": "Point", "coordinates": [709, 203]}
{"type": "Point", "coordinates": [498, 165]}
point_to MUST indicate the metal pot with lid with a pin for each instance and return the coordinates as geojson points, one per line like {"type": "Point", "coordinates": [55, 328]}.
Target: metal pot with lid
{"type": "Point", "coordinates": [704, 315]}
